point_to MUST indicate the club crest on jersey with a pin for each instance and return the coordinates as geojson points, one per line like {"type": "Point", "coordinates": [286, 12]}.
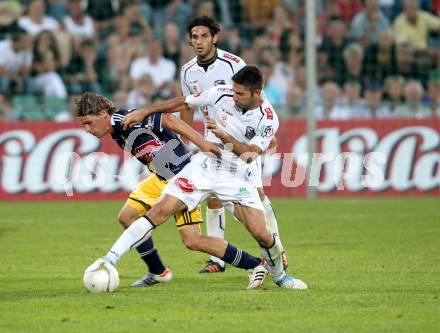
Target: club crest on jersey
{"type": "Point", "coordinates": [219, 82]}
{"type": "Point", "coordinates": [250, 132]}
{"type": "Point", "coordinates": [184, 184]}
{"type": "Point", "coordinates": [269, 113]}
{"type": "Point", "coordinates": [231, 57]}
{"type": "Point", "coordinates": [147, 150]}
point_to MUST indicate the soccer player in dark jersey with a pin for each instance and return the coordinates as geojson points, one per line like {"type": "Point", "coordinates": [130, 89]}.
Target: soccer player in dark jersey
{"type": "Point", "coordinates": [154, 143]}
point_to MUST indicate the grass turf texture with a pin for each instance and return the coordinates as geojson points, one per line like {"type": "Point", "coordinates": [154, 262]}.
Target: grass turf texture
{"type": "Point", "coordinates": [372, 265]}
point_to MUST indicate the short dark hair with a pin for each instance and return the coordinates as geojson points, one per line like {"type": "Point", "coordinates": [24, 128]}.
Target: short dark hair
{"type": "Point", "coordinates": [204, 21]}
{"type": "Point", "coordinates": [250, 77]}
{"type": "Point", "coordinates": [91, 103]}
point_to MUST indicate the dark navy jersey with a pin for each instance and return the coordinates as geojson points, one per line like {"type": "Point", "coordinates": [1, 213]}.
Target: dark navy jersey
{"type": "Point", "coordinates": [158, 148]}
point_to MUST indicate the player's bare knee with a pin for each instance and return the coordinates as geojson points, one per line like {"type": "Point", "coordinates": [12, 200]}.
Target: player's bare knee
{"type": "Point", "coordinates": [159, 214]}
{"type": "Point", "coordinates": [124, 219]}
{"type": "Point", "coordinates": [191, 243]}
{"type": "Point", "coordinates": [214, 203]}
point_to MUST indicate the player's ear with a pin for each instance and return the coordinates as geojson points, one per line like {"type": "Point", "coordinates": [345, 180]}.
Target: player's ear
{"type": "Point", "coordinates": [215, 39]}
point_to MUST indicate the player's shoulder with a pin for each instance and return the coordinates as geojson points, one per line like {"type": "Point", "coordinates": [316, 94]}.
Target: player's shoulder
{"type": "Point", "coordinates": [268, 112]}
{"type": "Point", "coordinates": [230, 57]}
{"type": "Point", "coordinates": [118, 116]}
{"type": "Point", "coordinates": [189, 64]}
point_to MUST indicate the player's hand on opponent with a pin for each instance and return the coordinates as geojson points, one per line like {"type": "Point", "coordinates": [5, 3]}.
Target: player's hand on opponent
{"type": "Point", "coordinates": [210, 147]}
{"type": "Point", "coordinates": [215, 129]}
{"type": "Point", "coordinates": [134, 118]}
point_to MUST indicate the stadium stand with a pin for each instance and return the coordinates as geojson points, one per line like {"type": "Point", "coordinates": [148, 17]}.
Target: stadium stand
{"type": "Point", "coordinates": [51, 51]}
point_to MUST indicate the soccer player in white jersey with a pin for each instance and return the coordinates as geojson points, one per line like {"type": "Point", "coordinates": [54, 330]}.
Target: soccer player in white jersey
{"type": "Point", "coordinates": [242, 122]}
{"type": "Point", "coordinates": [212, 67]}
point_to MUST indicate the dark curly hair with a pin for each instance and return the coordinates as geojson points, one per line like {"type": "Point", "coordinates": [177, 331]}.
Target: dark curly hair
{"type": "Point", "coordinates": [204, 21]}
{"type": "Point", "coordinates": [91, 103]}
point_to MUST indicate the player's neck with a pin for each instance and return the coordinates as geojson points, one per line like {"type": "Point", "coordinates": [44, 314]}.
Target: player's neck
{"type": "Point", "coordinates": [258, 102]}
{"type": "Point", "coordinates": [209, 58]}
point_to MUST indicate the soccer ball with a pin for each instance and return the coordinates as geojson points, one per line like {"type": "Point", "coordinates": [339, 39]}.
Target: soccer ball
{"type": "Point", "coordinates": [101, 277]}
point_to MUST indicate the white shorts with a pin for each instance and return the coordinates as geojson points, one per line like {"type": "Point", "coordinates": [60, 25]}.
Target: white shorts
{"type": "Point", "coordinates": [201, 179]}
{"type": "Point", "coordinates": [256, 172]}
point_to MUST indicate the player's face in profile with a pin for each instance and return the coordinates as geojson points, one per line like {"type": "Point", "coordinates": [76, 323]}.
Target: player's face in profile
{"type": "Point", "coordinates": [97, 125]}
{"type": "Point", "coordinates": [203, 42]}
{"type": "Point", "coordinates": [243, 97]}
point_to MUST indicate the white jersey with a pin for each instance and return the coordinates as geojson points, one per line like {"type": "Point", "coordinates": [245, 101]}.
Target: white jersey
{"type": "Point", "coordinates": [253, 127]}
{"type": "Point", "coordinates": [195, 79]}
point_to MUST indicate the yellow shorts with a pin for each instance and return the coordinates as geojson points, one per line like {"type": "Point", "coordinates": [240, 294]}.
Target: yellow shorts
{"type": "Point", "coordinates": [147, 194]}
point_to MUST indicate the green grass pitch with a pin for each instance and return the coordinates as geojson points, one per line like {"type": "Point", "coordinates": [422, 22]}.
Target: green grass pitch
{"type": "Point", "coordinates": [372, 265]}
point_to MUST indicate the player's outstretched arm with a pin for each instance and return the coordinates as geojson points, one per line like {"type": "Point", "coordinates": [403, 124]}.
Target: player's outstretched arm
{"type": "Point", "coordinates": [247, 153]}
{"type": "Point", "coordinates": [187, 117]}
{"type": "Point", "coordinates": [180, 127]}
{"type": "Point", "coordinates": [173, 105]}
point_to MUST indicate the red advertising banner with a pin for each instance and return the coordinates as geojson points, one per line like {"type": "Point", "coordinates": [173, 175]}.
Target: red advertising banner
{"type": "Point", "coordinates": [358, 158]}
{"type": "Point", "coordinates": [53, 161]}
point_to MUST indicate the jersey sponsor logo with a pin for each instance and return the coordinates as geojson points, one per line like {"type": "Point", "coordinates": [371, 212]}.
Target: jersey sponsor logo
{"type": "Point", "coordinates": [224, 90]}
{"type": "Point", "coordinates": [219, 82]}
{"type": "Point", "coordinates": [184, 184]}
{"type": "Point", "coordinates": [269, 113]}
{"type": "Point", "coordinates": [231, 57]}
{"type": "Point", "coordinates": [250, 132]}
{"type": "Point", "coordinates": [147, 150]}
{"type": "Point", "coordinates": [267, 131]}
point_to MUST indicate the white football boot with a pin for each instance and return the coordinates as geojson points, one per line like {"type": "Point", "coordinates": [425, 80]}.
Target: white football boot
{"type": "Point", "coordinates": [289, 282]}
{"type": "Point", "coordinates": [257, 275]}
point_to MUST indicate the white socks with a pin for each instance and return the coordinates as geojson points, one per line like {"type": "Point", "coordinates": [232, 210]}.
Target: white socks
{"type": "Point", "coordinates": [138, 232]}
{"type": "Point", "coordinates": [271, 220]}
{"type": "Point", "coordinates": [272, 256]}
{"type": "Point", "coordinates": [215, 227]}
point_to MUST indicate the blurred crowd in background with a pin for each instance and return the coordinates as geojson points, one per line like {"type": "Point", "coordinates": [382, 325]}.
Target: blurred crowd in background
{"type": "Point", "coordinates": [376, 58]}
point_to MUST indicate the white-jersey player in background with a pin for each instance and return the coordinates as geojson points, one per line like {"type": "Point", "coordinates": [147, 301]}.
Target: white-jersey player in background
{"type": "Point", "coordinates": [213, 67]}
